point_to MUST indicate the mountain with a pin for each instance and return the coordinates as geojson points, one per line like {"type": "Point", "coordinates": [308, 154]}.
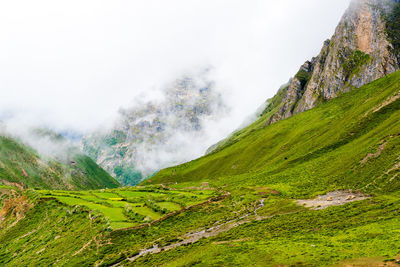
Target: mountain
{"type": "Point", "coordinates": [23, 166]}
{"type": "Point", "coordinates": [319, 188]}
{"type": "Point", "coordinates": [364, 47]}
{"type": "Point", "coordinates": [157, 134]}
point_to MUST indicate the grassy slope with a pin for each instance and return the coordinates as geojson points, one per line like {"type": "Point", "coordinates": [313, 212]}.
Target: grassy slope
{"type": "Point", "coordinates": [315, 151]}
{"type": "Point", "coordinates": [324, 148]}
{"type": "Point", "coordinates": [46, 231]}
{"type": "Point", "coordinates": [272, 107]}
{"type": "Point", "coordinates": [20, 164]}
{"type": "Point", "coordinates": [309, 238]}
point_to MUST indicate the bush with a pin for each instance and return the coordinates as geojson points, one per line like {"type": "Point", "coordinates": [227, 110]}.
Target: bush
{"type": "Point", "coordinates": [132, 215]}
{"type": "Point", "coordinates": [155, 207]}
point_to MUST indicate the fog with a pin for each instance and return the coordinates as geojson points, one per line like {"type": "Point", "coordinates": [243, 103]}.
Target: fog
{"type": "Point", "coordinates": [48, 144]}
{"type": "Point", "coordinates": [71, 65]}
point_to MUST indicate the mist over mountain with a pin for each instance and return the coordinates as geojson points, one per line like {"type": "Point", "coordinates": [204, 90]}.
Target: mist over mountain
{"type": "Point", "coordinates": [66, 68]}
{"type": "Point", "coordinates": [310, 176]}
{"type": "Point", "coordinates": [41, 158]}
{"type": "Point", "coordinates": [174, 128]}
{"type": "Point", "coordinates": [71, 67]}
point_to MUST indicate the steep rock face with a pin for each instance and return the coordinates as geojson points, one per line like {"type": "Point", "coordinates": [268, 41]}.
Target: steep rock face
{"type": "Point", "coordinates": [157, 134]}
{"type": "Point", "coordinates": [358, 53]}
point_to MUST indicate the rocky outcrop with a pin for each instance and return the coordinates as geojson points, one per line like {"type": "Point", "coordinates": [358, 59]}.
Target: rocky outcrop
{"type": "Point", "coordinates": [358, 53]}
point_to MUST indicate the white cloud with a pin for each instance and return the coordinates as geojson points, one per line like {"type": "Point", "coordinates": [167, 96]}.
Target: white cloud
{"type": "Point", "coordinates": [72, 64]}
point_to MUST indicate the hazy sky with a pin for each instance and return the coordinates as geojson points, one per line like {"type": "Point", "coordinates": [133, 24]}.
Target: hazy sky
{"type": "Point", "coordinates": [72, 64]}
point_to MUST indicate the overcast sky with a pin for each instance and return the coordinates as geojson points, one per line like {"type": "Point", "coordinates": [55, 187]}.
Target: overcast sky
{"type": "Point", "coordinates": [72, 64]}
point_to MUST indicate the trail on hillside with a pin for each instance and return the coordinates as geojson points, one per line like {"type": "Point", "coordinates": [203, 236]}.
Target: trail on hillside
{"type": "Point", "coordinates": [193, 237]}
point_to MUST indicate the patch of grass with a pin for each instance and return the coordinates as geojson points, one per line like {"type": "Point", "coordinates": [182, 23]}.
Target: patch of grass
{"type": "Point", "coordinates": [105, 195]}
{"type": "Point", "coordinates": [351, 64]}
{"type": "Point", "coordinates": [169, 206]}
{"type": "Point", "coordinates": [304, 77]}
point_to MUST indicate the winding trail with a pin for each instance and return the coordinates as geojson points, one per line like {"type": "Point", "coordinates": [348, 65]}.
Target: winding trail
{"type": "Point", "coordinates": [192, 237]}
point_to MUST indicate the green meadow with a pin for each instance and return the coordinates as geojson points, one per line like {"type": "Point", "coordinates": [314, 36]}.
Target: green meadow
{"type": "Point", "coordinates": [130, 206]}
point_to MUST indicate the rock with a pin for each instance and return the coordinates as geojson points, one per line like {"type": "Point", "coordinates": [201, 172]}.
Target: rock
{"type": "Point", "coordinates": [24, 173]}
{"type": "Point", "coordinates": [358, 53]}
{"type": "Point", "coordinates": [329, 199]}
{"type": "Point", "coordinates": [351, 197]}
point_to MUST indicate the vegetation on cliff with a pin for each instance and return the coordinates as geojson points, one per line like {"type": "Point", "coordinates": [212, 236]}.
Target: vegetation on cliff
{"type": "Point", "coordinates": [393, 28]}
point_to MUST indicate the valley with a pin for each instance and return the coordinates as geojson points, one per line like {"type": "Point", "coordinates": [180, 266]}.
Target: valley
{"type": "Point", "coordinates": [259, 220]}
{"type": "Point", "coordinates": [314, 180]}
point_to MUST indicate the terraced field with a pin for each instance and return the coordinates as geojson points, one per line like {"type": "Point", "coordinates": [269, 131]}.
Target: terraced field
{"type": "Point", "coordinates": [129, 207]}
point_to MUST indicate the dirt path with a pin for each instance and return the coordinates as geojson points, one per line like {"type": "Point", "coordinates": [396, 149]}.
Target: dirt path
{"type": "Point", "coordinates": [192, 237]}
{"type": "Point", "coordinates": [335, 198]}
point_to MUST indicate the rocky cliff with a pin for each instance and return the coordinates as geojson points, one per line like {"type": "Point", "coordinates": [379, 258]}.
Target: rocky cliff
{"type": "Point", "coordinates": [363, 48]}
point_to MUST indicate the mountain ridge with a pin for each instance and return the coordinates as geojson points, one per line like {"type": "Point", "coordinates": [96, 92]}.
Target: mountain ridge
{"type": "Point", "coordinates": [156, 134]}
{"type": "Point", "coordinates": [23, 166]}
{"type": "Point", "coordinates": [363, 48]}
{"type": "Point", "coordinates": [358, 53]}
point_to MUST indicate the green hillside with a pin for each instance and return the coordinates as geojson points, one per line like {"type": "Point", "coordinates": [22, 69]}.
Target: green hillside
{"type": "Point", "coordinates": [349, 142]}
{"type": "Point", "coordinates": [21, 165]}
{"type": "Point", "coordinates": [251, 203]}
